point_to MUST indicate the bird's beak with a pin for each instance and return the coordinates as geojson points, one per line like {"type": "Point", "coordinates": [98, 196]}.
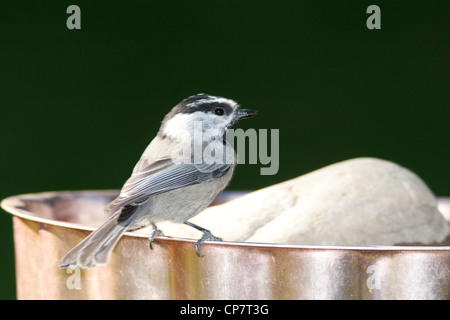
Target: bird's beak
{"type": "Point", "coordinates": [246, 113]}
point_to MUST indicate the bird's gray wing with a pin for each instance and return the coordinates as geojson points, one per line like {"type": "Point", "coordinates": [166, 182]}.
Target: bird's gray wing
{"type": "Point", "coordinates": [161, 176]}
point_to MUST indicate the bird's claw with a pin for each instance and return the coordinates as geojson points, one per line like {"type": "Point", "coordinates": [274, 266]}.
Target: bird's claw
{"type": "Point", "coordinates": [156, 232]}
{"type": "Point", "coordinates": [207, 235]}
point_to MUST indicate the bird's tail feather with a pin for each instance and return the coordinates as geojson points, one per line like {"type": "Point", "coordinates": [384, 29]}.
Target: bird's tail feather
{"type": "Point", "coordinates": [97, 247]}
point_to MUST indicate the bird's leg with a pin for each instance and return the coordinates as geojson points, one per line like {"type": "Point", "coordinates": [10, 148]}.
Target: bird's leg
{"type": "Point", "coordinates": [156, 232]}
{"type": "Point", "coordinates": [207, 235]}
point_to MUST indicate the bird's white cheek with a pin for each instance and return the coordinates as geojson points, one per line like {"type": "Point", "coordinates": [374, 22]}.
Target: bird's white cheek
{"type": "Point", "coordinates": [183, 127]}
{"type": "Point", "coordinates": [180, 127]}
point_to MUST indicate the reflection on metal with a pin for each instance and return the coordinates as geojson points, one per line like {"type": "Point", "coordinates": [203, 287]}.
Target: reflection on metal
{"type": "Point", "coordinates": [47, 225]}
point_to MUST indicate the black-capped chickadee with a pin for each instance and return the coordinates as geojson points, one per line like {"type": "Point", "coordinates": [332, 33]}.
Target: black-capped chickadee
{"type": "Point", "coordinates": [181, 172]}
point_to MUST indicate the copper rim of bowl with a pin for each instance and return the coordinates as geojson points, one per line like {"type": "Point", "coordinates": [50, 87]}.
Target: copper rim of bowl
{"type": "Point", "coordinates": [12, 205]}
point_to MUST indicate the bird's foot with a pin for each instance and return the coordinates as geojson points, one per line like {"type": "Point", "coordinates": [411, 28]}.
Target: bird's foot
{"type": "Point", "coordinates": [156, 232]}
{"type": "Point", "coordinates": [207, 235]}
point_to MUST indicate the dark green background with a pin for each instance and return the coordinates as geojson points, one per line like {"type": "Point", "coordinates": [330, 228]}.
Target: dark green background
{"type": "Point", "coordinates": [79, 106]}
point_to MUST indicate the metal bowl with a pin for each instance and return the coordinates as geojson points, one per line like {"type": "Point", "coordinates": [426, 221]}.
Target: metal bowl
{"type": "Point", "coordinates": [47, 225]}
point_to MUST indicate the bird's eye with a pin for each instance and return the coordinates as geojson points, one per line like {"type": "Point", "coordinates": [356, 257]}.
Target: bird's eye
{"type": "Point", "coordinates": [219, 111]}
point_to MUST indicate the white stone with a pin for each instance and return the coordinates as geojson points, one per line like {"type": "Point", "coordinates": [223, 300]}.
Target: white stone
{"type": "Point", "coordinates": [358, 202]}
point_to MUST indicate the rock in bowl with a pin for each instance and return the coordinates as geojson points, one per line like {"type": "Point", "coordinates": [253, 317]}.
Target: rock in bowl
{"type": "Point", "coordinates": [357, 202]}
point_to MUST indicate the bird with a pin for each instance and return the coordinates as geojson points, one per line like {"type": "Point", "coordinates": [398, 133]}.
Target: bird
{"type": "Point", "coordinates": [183, 169]}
